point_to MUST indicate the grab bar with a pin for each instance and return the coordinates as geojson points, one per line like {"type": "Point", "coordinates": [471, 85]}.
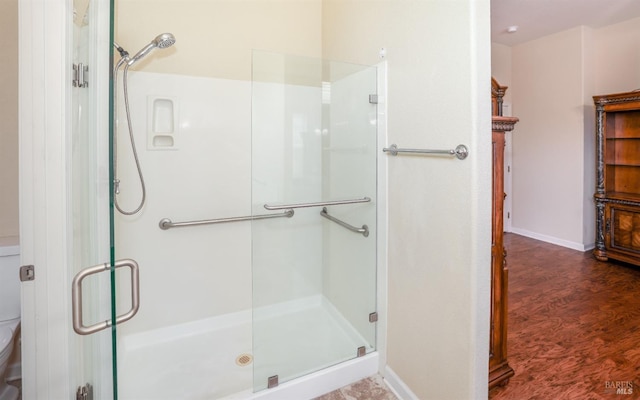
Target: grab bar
{"type": "Point", "coordinates": [364, 230]}
{"type": "Point", "coordinates": [166, 223]}
{"type": "Point", "coordinates": [460, 151]}
{"type": "Point", "coordinates": [319, 204]}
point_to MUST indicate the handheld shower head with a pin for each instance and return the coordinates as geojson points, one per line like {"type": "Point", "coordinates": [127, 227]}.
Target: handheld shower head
{"type": "Point", "coordinates": [161, 41]}
{"type": "Point", "coordinates": [164, 40]}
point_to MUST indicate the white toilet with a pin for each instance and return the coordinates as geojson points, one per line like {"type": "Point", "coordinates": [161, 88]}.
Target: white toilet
{"type": "Point", "coordinates": [9, 312]}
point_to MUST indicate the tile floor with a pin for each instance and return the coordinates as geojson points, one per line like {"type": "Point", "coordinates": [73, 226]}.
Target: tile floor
{"type": "Point", "coordinates": [371, 388]}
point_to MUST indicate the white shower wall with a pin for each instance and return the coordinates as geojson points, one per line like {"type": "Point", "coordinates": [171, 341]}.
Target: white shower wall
{"type": "Point", "coordinates": [192, 273]}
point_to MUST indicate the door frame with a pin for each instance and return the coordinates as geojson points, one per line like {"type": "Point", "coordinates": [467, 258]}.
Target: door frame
{"type": "Point", "coordinates": [43, 100]}
{"type": "Point", "coordinates": [51, 360]}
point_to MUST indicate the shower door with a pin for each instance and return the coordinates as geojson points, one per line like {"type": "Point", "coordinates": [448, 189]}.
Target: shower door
{"type": "Point", "coordinates": [314, 275]}
{"type": "Point", "coordinates": [93, 358]}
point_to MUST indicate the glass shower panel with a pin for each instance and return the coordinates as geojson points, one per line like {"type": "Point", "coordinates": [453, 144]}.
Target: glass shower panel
{"type": "Point", "coordinates": [314, 275]}
{"type": "Point", "coordinates": [90, 218]}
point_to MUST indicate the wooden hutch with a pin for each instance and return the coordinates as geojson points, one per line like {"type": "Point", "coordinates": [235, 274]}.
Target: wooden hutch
{"type": "Point", "coordinates": [499, 369]}
{"type": "Point", "coordinates": [617, 194]}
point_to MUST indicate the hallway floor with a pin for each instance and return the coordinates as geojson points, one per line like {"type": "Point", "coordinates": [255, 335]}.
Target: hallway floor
{"type": "Point", "coordinates": [574, 324]}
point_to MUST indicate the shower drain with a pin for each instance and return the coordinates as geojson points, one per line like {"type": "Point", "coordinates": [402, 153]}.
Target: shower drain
{"type": "Point", "coordinates": [244, 359]}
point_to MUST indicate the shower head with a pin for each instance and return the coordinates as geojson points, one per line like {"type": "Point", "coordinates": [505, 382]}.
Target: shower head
{"type": "Point", "coordinates": [164, 40]}
{"type": "Point", "coordinates": [161, 41]}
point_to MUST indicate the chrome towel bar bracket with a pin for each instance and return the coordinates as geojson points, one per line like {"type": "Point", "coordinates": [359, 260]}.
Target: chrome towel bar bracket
{"type": "Point", "coordinates": [461, 151]}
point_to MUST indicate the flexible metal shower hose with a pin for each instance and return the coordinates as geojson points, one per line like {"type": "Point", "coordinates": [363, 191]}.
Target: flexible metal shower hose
{"type": "Point", "coordinates": [131, 139]}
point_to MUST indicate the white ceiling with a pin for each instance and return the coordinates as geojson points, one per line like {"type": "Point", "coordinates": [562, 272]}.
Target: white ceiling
{"type": "Point", "coordinates": [538, 18]}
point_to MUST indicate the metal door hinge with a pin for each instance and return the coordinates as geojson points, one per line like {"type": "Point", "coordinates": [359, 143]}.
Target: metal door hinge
{"type": "Point", "coordinates": [84, 392]}
{"type": "Point", "coordinates": [79, 79]}
{"type": "Point", "coordinates": [373, 98]}
{"type": "Point", "coordinates": [373, 317]}
{"type": "Point", "coordinates": [27, 273]}
{"type": "Point", "coordinates": [272, 381]}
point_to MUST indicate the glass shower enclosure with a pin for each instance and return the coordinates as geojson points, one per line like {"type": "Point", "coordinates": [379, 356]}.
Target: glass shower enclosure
{"type": "Point", "coordinates": [263, 268]}
{"type": "Point", "coordinates": [256, 247]}
{"type": "Point", "coordinates": [313, 155]}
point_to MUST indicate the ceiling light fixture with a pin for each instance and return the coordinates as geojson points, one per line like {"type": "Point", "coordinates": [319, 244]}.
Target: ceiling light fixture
{"type": "Point", "coordinates": [512, 29]}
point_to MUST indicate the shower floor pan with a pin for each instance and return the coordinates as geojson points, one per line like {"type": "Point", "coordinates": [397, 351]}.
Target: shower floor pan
{"type": "Point", "coordinates": [215, 358]}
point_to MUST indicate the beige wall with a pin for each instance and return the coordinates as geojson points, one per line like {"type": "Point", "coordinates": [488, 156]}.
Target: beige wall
{"type": "Point", "coordinates": [548, 143]}
{"type": "Point", "coordinates": [9, 118]}
{"type": "Point", "coordinates": [552, 83]}
{"type": "Point", "coordinates": [439, 209]}
{"type": "Point", "coordinates": [617, 64]}
{"type": "Point", "coordinates": [215, 38]}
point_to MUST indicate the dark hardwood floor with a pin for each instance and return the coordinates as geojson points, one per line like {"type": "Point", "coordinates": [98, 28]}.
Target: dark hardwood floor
{"type": "Point", "coordinates": [574, 324]}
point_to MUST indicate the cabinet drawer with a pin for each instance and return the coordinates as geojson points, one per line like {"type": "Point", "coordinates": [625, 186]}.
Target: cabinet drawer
{"type": "Point", "coordinates": [623, 228]}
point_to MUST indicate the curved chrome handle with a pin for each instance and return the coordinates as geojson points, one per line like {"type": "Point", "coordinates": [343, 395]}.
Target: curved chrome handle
{"type": "Point", "coordinates": [76, 296]}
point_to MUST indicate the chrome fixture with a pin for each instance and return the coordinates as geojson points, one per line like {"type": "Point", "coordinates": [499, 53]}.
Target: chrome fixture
{"type": "Point", "coordinates": [123, 52]}
{"type": "Point", "coordinates": [76, 296]}
{"type": "Point", "coordinates": [79, 78]}
{"type": "Point", "coordinates": [364, 230]}
{"type": "Point", "coordinates": [461, 151]}
{"type": "Point", "coordinates": [161, 41]}
{"type": "Point", "coordinates": [166, 223]}
{"type": "Point", "coordinates": [319, 204]}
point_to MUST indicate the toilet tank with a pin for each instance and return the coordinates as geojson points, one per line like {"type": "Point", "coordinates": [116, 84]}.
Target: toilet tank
{"type": "Point", "coordinates": [9, 278]}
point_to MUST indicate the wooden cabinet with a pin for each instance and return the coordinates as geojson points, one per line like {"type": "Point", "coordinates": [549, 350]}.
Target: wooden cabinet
{"type": "Point", "coordinates": [499, 369]}
{"type": "Point", "coordinates": [497, 94]}
{"type": "Point", "coordinates": [617, 194]}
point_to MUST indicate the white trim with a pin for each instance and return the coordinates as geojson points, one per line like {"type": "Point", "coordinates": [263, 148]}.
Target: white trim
{"type": "Point", "coordinates": [397, 386]}
{"type": "Point", "coordinates": [554, 240]}
{"type": "Point", "coordinates": [27, 28]}
{"type": "Point", "coordinates": [43, 100]}
{"type": "Point", "coordinates": [382, 217]}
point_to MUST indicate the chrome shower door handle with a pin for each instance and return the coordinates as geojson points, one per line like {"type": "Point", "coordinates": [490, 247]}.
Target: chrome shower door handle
{"type": "Point", "coordinates": [76, 296]}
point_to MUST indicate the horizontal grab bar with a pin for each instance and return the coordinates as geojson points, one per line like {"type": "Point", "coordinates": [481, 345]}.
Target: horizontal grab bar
{"type": "Point", "coordinates": [460, 151]}
{"type": "Point", "coordinates": [319, 204]}
{"type": "Point", "coordinates": [364, 230]}
{"type": "Point", "coordinates": [166, 223]}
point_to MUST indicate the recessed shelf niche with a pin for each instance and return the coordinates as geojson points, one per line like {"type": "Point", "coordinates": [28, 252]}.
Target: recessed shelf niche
{"type": "Point", "coordinates": [162, 124]}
